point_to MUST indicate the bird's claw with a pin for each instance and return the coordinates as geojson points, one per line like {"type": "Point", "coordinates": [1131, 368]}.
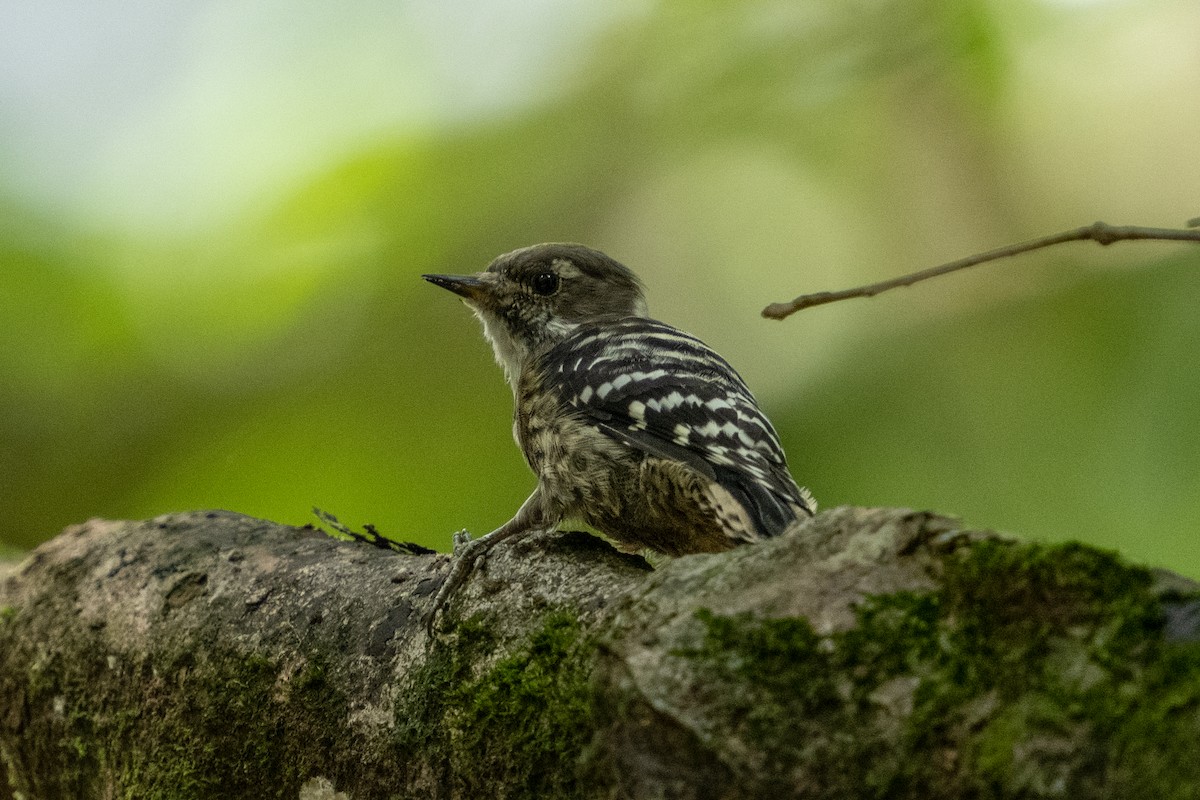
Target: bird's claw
{"type": "Point", "coordinates": [461, 539]}
{"type": "Point", "coordinates": [467, 552]}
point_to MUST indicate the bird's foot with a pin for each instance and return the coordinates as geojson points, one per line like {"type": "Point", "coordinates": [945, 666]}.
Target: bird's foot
{"type": "Point", "coordinates": [468, 555]}
{"type": "Point", "coordinates": [461, 540]}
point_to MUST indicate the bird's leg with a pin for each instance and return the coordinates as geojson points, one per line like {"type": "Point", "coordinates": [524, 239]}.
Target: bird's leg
{"type": "Point", "coordinates": [469, 552]}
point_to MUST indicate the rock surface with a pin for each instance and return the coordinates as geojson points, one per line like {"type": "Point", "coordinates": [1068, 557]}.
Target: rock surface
{"type": "Point", "coordinates": [872, 653]}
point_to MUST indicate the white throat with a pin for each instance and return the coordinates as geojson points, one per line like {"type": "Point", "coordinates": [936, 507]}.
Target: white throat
{"type": "Point", "coordinates": [513, 352]}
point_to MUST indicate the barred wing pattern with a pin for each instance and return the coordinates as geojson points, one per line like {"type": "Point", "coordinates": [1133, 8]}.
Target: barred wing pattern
{"type": "Point", "coordinates": [667, 394]}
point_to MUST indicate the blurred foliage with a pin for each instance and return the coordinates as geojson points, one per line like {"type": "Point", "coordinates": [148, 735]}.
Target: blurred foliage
{"type": "Point", "coordinates": [1069, 414]}
{"type": "Point", "coordinates": [731, 153]}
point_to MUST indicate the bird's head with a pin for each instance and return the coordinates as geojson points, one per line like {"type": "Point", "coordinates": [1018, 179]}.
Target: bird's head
{"type": "Point", "coordinates": [533, 298]}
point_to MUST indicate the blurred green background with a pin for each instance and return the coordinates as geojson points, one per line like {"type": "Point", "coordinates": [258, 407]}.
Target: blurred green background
{"type": "Point", "coordinates": [213, 217]}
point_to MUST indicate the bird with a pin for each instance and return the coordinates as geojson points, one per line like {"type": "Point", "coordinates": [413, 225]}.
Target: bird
{"type": "Point", "coordinates": [633, 427]}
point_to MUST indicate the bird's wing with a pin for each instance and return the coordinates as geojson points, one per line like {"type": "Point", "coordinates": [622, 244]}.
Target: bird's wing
{"type": "Point", "coordinates": [666, 393]}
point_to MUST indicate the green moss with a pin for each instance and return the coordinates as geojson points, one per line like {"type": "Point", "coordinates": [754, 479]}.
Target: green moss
{"type": "Point", "coordinates": [178, 743]}
{"type": "Point", "coordinates": [523, 722]}
{"type": "Point", "coordinates": [424, 704]}
{"type": "Point", "coordinates": [7, 613]}
{"type": "Point", "coordinates": [1035, 671]}
{"type": "Point", "coordinates": [196, 752]}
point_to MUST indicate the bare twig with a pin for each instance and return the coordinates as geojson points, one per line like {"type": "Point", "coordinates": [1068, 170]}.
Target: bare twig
{"type": "Point", "coordinates": [372, 536]}
{"type": "Point", "coordinates": [1099, 232]}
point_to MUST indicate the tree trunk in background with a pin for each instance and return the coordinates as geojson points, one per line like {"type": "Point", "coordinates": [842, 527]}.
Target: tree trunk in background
{"type": "Point", "coordinates": [873, 653]}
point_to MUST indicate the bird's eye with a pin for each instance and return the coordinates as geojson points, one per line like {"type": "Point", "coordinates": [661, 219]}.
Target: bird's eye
{"type": "Point", "coordinates": [545, 283]}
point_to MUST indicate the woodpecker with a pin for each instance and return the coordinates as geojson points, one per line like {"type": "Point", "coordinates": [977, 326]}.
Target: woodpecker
{"type": "Point", "coordinates": [632, 426]}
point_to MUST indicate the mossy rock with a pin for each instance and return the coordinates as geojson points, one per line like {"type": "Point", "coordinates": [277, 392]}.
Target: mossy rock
{"type": "Point", "coordinates": [875, 653]}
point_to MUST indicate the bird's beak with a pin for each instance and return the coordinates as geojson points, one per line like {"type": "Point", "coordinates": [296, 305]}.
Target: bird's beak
{"type": "Point", "coordinates": [468, 286]}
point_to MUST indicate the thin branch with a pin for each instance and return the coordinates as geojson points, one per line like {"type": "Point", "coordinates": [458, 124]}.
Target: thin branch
{"type": "Point", "coordinates": [1099, 232]}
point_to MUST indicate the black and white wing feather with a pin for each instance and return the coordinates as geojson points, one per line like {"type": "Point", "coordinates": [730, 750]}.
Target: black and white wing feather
{"type": "Point", "coordinates": [668, 394]}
